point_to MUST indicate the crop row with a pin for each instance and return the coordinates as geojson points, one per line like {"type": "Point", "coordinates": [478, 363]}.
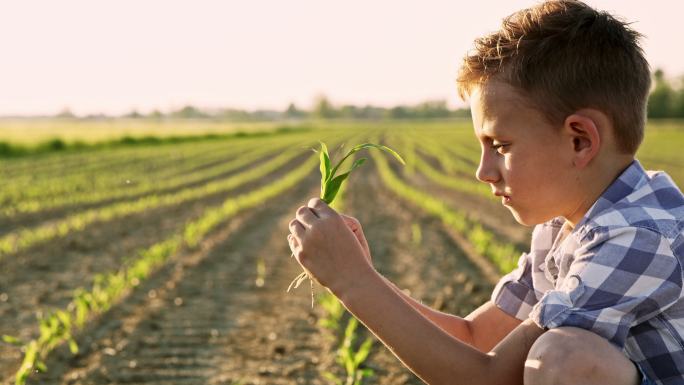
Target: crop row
{"type": "Point", "coordinates": [64, 185]}
{"type": "Point", "coordinates": [147, 185]}
{"type": "Point", "coordinates": [451, 180]}
{"type": "Point", "coordinates": [20, 240]}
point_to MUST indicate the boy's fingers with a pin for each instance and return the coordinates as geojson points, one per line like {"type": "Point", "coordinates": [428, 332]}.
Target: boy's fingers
{"type": "Point", "coordinates": [320, 207]}
{"type": "Point", "coordinates": [352, 222]}
{"type": "Point", "coordinates": [292, 241]}
{"type": "Point", "coordinates": [296, 228]}
{"type": "Point", "coordinates": [306, 216]}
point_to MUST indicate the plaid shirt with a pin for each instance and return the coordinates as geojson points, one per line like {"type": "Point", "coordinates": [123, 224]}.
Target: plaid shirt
{"type": "Point", "coordinates": [618, 273]}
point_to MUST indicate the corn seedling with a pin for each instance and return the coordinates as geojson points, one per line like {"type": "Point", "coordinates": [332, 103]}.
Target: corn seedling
{"type": "Point", "coordinates": [352, 359]}
{"type": "Point", "coordinates": [416, 234]}
{"type": "Point", "coordinates": [330, 186]}
{"type": "Point", "coordinates": [261, 273]}
{"type": "Point", "coordinates": [334, 311]}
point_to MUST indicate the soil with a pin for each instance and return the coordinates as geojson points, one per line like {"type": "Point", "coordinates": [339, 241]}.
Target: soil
{"type": "Point", "coordinates": [202, 319]}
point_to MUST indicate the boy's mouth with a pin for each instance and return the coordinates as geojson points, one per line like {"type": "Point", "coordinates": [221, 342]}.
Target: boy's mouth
{"type": "Point", "coordinates": [504, 198]}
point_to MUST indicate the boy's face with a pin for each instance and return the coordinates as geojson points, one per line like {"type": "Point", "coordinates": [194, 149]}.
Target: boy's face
{"type": "Point", "coordinates": [524, 159]}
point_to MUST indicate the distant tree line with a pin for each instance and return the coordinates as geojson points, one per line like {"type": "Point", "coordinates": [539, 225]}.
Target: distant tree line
{"type": "Point", "coordinates": [666, 101]}
{"type": "Point", "coordinates": [322, 109]}
{"type": "Point", "coordinates": [667, 98]}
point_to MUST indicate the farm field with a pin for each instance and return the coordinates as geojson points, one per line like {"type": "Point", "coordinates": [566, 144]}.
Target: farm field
{"type": "Point", "coordinates": [167, 263]}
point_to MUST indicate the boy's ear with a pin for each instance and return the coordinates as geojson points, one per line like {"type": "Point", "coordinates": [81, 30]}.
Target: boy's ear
{"type": "Point", "coordinates": [584, 128]}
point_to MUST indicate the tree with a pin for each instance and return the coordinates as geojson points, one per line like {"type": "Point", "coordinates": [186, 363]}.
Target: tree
{"type": "Point", "coordinates": [156, 114]}
{"type": "Point", "coordinates": [134, 114]}
{"type": "Point", "coordinates": [323, 109]}
{"type": "Point", "coordinates": [661, 101]}
{"type": "Point", "coordinates": [678, 103]}
{"type": "Point", "coordinates": [65, 114]}
{"type": "Point", "coordinates": [293, 112]}
{"type": "Point", "coordinates": [189, 112]}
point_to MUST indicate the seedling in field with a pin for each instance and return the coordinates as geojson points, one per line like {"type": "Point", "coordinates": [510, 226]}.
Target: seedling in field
{"type": "Point", "coordinates": [331, 183]}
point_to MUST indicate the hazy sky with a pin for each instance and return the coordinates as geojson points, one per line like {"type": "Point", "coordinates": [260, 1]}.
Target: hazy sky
{"type": "Point", "coordinates": [97, 56]}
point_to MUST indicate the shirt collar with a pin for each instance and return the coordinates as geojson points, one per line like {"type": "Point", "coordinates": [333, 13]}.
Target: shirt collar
{"type": "Point", "coordinates": [633, 177]}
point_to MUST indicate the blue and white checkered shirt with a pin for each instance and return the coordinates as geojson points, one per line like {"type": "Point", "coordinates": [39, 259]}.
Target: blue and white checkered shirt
{"type": "Point", "coordinates": [618, 273]}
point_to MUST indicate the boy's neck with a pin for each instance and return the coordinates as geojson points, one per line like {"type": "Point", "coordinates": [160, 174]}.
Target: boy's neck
{"type": "Point", "coordinates": [596, 181]}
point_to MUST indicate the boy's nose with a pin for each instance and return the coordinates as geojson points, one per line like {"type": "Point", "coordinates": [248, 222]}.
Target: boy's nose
{"type": "Point", "coordinates": [486, 171]}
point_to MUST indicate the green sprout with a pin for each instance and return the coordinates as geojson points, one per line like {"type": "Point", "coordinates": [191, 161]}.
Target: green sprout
{"type": "Point", "coordinates": [330, 185]}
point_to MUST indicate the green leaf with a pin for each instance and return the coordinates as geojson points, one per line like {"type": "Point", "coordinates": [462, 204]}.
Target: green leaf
{"type": "Point", "coordinates": [331, 377]}
{"type": "Point", "coordinates": [333, 186]}
{"type": "Point", "coordinates": [324, 166]}
{"type": "Point", "coordinates": [73, 346]}
{"type": "Point", "coordinates": [41, 367]}
{"type": "Point", "coordinates": [364, 146]}
{"type": "Point", "coordinates": [65, 318]}
{"type": "Point", "coordinates": [11, 340]}
{"type": "Point", "coordinates": [363, 351]}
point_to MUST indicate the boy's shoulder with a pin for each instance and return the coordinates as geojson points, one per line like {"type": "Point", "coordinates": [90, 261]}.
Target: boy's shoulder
{"type": "Point", "coordinates": [638, 200]}
{"type": "Point", "coordinates": [642, 199]}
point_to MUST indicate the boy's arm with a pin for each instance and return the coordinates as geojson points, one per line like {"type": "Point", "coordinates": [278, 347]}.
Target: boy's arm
{"type": "Point", "coordinates": [483, 329]}
{"type": "Point", "coordinates": [428, 350]}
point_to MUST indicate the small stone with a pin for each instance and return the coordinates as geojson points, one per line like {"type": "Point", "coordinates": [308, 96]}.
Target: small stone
{"type": "Point", "coordinates": [280, 349]}
{"type": "Point", "coordinates": [265, 371]}
{"type": "Point", "coordinates": [109, 351]}
{"type": "Point", "coordinates": [178, 301]}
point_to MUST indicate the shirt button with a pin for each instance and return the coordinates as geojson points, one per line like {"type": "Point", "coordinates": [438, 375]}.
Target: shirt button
{"type": "Point", "coordinates": [571, 283]}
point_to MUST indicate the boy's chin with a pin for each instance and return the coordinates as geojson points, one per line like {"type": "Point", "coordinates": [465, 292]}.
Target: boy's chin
{"type": "Point", "coordinates": [527, 220]}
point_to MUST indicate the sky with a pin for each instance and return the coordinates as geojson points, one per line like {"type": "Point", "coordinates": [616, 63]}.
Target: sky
{"type": "Point", "coordinates": [111, 57]}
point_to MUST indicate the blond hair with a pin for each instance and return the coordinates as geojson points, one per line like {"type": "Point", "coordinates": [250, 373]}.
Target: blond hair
{"type": "Point", "coordinates": [563, 56]}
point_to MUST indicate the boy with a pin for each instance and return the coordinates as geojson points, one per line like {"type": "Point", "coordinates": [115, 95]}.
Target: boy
{"type": "Point", "coordinates": [558, 99]}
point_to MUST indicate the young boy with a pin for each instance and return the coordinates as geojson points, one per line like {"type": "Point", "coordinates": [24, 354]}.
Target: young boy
{"type": "Point", "coordinates": [558, 99]}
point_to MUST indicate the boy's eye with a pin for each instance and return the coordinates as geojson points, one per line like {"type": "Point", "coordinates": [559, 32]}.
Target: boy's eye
{"type": "Point", "coordinates": [498, 147]}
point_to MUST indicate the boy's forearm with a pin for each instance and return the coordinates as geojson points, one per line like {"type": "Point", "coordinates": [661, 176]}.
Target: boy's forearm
{"type": "Point", "coordinates": [453, 325]}
{"type": "Point", "coordinates": [426, 349]}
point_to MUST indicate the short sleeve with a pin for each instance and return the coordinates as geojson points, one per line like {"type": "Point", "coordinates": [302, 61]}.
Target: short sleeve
{"type": "Point", "coordinates": [514, 293]}
{"type": "Point", "coordinates": [619, 277]}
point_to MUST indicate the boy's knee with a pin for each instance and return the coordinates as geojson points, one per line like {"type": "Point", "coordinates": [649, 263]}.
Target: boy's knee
{"type": "Point", "coordinates": [565, 355]}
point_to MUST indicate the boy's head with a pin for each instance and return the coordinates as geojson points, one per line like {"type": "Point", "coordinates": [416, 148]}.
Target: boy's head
{"type": "Point", "coordinates": [570, 84]}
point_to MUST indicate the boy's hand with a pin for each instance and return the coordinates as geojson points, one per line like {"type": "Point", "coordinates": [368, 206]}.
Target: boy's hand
{"type": "Point", "coordinates": [355, 226]}
{"type": "Point", "coordinates": [326, 247]}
